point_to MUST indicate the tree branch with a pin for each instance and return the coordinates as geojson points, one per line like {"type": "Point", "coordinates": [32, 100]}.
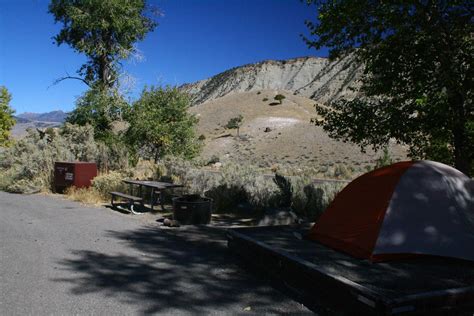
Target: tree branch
{"type": "Point", "coordinates": [55, 82]}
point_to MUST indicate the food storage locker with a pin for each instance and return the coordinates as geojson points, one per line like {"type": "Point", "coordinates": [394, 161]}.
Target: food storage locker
{"type": "Point", "coordinates": [78, 174]}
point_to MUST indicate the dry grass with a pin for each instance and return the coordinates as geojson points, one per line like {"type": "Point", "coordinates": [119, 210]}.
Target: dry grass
{"type": "Point", "coordinates": [89, 196]}
{"type": "Point", "coordinates": [289, 140]}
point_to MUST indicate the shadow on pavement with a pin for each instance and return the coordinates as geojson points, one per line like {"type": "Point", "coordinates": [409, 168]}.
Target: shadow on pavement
{"type": "Point", "coordinates": [187, 270]}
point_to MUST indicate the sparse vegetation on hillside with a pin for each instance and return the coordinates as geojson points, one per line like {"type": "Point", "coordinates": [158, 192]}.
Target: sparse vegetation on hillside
{"type": "Point", "coordinates": [278, 135]}
{"type": "Point", "coordinates": [235, 123]}
{"type": "Point", "coordinates": [279, 98]}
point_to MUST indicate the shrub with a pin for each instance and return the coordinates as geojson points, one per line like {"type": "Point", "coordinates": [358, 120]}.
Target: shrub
{"type": "Point", "coordinates": [238, 187]}
{"type": "Point", "coordinates": [235, 123]}
{"type": "Point", "coordinates": [311, 200]}
{"type": "Point", "coordinates": [279, 98]}
{"type": "Point", "coordinates": [286, 190]}
{"type": "Point", "coordinates": [384, 160]}
{"type": "Point", "coordinates": [213, 160]}
{"type": "Point", "coordinates": [265, 99]}
{"type": "Point", "coordinates": [105, 183]}
{"type": "Point", "coordinates": [29, 163]}
{"type": "Point", "coordinates": [341, 171]}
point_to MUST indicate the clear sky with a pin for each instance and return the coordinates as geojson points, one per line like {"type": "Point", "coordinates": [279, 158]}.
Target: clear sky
{"type": "Point", "coordinates": [195, 39]}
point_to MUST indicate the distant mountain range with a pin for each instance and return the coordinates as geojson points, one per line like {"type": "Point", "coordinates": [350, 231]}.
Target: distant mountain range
{"type": "Point", "coordinates": [37, 120]}
{"type": "Point", "coordinates": [54, 116]}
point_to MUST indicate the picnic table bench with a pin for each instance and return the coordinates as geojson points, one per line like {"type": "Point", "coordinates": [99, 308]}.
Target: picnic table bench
{"type": "Point", "coordinates": [154, 186]}
{"type": "Point", "coordinates": [131, 200]}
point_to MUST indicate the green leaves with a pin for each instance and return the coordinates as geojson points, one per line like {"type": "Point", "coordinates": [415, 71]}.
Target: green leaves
{"type": "Point", "coordinates": [418, 80]}
{"type": "Point", "coordinates": [6, 117]}
{"type": "Point", "coordinates": [100, 108]}
{"type": "Point", "coordinates": [235, 122]}
{"type": "Point", "coordinates": [104, 30]}
{"type": "Point", "coordinates": [160, 124]}
{"type": "Point", "coordinates": [279, 98]}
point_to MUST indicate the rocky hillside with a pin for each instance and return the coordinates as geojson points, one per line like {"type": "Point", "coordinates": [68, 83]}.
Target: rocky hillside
{"type": "Point", "coordinates": [275, 134]}
{"type": "Point", "coordinates": [316, 78]}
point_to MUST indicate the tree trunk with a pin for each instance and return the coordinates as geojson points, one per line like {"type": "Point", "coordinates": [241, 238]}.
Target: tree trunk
{"type": "Point", "coordinates": [462, 154]}
{"type": "Point", "coordinates": [462, 159]}
{"type": "Point", "coordinates": [104, 71]}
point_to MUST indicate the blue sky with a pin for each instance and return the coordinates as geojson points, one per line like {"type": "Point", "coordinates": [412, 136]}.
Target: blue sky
{"type": "Point", "coordinates": [195, 39]}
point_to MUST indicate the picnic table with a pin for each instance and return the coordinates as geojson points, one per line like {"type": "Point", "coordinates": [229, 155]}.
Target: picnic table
{"type": "Point", "coordinates": [155, 186]}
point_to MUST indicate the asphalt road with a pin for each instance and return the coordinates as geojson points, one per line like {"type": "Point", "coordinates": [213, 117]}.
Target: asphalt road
{"type": "Point", "coordinates": [58, 257]}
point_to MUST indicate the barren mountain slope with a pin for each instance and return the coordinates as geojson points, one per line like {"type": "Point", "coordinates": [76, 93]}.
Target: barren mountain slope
{"type": "Point", "coordinates": [279, 134]}
{"type": "Point", "coordinates": [28, 120]}
{"type": "Point", "coordinates": [312, 77]}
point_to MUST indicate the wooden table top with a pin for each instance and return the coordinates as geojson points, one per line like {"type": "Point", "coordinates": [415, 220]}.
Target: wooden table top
{"type": "Point", "coordinates": [153, 184]}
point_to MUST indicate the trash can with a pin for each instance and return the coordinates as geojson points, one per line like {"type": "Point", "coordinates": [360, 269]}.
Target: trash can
{"type": "Point", "coordinates": [192, 209]}
{"type": "Point", "coordinates": [78, 174]}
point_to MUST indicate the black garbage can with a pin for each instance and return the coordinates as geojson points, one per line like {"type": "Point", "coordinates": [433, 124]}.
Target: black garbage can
{"type": "Point", "coordinates": [192, 210]}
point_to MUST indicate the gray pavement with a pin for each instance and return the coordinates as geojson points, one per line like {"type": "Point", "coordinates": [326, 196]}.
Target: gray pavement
{"type": "Point", "coordinates": [59, 257]}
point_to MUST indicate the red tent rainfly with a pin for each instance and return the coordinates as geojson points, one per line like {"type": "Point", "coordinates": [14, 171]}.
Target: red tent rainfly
{"type": "Point", "coordinates": [403, 210]}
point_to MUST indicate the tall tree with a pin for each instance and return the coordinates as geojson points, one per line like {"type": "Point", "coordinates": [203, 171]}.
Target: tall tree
{"type": "Point", "coordinates": [6, 117]}
{"type": "Point", "coordinates": [104, 30]}
{"type": "Point", "coordinates": [161, 125]}
{"type": "Point", "coordinates": [417, 86]}
{"type": "Point", "coordinates": [101, 109]}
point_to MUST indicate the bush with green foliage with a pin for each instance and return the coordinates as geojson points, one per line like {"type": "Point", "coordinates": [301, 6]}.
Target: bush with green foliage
{"type": "Point", "coordinates": [29, 163]}
{"type": "Point", "coordinates": [279, 98]}
{"type": "Point", "coordinates": [6, 117]}
{"type": "Point", "coordinates": [235, 123]}
{"type": "Point", "coordinates": [109, 182]}
{"type": "Point", "coordinates": [238, 187]}
{"type": "Point", "coordinates": [101, 109]}
{"type": "Point", "coordinates": [384, 160]}
{"type": "Point", "coordinates": [161, 125]}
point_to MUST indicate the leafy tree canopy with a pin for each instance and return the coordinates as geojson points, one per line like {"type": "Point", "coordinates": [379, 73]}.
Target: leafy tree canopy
{"type": "Point", "coordinates": [161, 125]}
{"type": "Point", "coordinates": [100, 109]}
{"type": "Point", "coordinates": [6, 117]}
{"type": "Point", "coordinates": [417, 58]}
{"type": "Point", "coordinates": [279, 98]}
{"type": "Point", "coordinates": [104, 30]}
{"type": "Point", "coordinates": [235, 123]}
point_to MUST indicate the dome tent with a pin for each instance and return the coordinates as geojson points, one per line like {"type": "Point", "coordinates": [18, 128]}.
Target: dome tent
{"type": "Point", "coordinates": [402, 210]}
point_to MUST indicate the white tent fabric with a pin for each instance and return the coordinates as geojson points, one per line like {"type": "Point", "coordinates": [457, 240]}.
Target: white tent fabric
{"type": "Point", "coordinates": [431, 212]}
